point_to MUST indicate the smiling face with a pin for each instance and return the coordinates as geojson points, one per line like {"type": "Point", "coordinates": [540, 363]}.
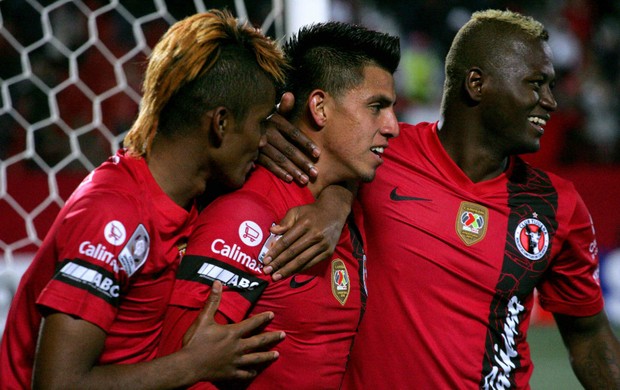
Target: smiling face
{"type": "Point", "coordinates": [358, 127]}
{"type": "Point", "coordinates": [517, 99]}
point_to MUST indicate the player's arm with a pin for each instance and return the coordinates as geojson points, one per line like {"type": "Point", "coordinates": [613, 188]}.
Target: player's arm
{"type": "Point", "coordinates": [594, 350]}
{"type": "Point", "coordinates": [69, 348]}
{"type": "Point", "coordinates": [289, 154]}
{"type": "Point", "coordinates": [309, 233]}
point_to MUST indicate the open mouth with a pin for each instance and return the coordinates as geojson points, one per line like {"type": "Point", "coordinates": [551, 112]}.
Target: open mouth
{"type": "Point", "coordinates": [377, 150]}
{"type": "Point", "coordinates": [538, 122]}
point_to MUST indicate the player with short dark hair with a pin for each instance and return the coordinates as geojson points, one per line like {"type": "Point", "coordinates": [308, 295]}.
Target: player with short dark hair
{"type": "Point", "coordinates": [92, 302]}
{"type": "Point", "coordinates": [461, 231]}
{"type": "Point", "coordinates": [342, 76]}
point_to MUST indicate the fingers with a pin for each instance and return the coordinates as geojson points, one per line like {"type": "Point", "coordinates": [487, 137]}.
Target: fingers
{"type": "Point", "coordinates": [286, 103]}
{"type": "Point", "coordinates": [213, 302]}
{"type": "Point", "coordinates": [267, 162]}
{"type": "Point", "coordinates": [296, 247]}
{"type": "Point", "coordinates": [282, 249]}
{"type": "Point", "coordinates": [304, 260]}
{"type": "Point", "coordinates": [296, 137]}
{"type": "Point", "coordinates": [263, 341]}
{"type": "Point", "coordinates": [272, 158]}
{"type": "Point", "coordinates": [292, 142]}
{"type": "Point", "coordinates": [254, 324]}
{"type": "Point", "coordinates": [258, 358]}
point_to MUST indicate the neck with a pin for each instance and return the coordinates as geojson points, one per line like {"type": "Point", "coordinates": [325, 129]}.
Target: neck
{"type": "Point", "coordinates": [469, 150]}
{"type": "Point", "coordinates": [173, 169]}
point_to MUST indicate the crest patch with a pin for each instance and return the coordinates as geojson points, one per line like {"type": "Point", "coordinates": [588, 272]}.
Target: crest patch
{"type": "Point", "coordinates": [471, 222]}
{"type": "Point", "coordinates": [341, 285]}
{"type": "Point", "coordinates": [532, 238]}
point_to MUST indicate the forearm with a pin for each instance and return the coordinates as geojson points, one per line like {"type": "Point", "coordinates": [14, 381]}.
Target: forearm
{"type": "Point", "coordinates": [169, 372]}
{"type": "Point", "coordinates": [68, 352]}
{"type": "Point", "coordinates": [337, 199]}
{"type": "Point", "coordinates": [596, 363]}
{"type": "Point", "coordinates": [594, 350]}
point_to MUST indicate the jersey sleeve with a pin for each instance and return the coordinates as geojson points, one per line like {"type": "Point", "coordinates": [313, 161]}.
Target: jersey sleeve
{"type": "Point", "coordinates": [226, 245]}
{"type": "Point", "coordinates": [572, 286]}
{"type": "Point", "coordinates": [100, 244]}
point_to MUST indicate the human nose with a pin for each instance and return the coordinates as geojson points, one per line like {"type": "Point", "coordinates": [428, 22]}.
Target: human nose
{"type": "Point", "coordinates": [390, 129]}
{"type": "Point", "coordinates": [547, 100]}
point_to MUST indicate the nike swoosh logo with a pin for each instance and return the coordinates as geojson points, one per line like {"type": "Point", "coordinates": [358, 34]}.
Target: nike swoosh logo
{"type": "Point", "coordinates": [394, 196]}
{"type": "Point", "coordinates": [295, 284]}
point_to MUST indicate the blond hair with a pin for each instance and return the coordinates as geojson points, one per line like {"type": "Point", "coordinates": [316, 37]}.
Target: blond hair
{"type": "Point", "coordinates": [187, 52]}
{"type": "Point", "coordinates": [483, 39]}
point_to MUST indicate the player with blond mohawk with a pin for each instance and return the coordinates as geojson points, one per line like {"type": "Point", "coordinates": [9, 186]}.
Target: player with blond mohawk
{"type": "Point", "coordinates": [89, 310]}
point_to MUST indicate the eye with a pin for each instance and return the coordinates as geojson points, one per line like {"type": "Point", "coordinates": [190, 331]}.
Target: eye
{"type": "Point", "coordinates": [537, 83]}
{"type": "Point", "coordinates": [376, 108]}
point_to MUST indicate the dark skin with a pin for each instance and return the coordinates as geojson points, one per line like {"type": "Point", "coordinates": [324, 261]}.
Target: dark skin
{"type": "Point", "coordinates": [69, 348]}
{"type": "Point", "coordinates": [81, 344]}
{"type": "Point", "coordinates": [305, 242]}
{"type": "Point", "coordinates": [493, 119]}
{"type": "Point", "coordinates": [593, 349]}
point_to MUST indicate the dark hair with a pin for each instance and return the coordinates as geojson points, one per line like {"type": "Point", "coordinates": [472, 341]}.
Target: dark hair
{"type": "Point", "coordinates": [203, 61]}
{"type": "Point", "coordinates": [235, 81]}
{"type": "Point", "coordinates": [331, 56]}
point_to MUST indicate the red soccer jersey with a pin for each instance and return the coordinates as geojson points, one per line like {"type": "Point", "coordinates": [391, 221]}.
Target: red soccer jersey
{"type": "Point", "coordinates": [319, 309]}
{"type": "Point", "coordinates": [453, 266]}
{"type": "Point", "coordinates": [110, 259]}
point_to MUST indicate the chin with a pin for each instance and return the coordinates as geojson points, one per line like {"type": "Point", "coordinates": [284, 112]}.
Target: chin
{"type": "Point", "coordinates": [368, 177]}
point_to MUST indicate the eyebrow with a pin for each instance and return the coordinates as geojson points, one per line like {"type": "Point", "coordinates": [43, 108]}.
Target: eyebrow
{"type": "Point", "coordinates": [383, 99]}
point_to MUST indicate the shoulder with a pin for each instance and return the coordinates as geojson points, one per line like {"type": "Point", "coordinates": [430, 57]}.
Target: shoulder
{"type": "Point", "coordinates": [525, 171]}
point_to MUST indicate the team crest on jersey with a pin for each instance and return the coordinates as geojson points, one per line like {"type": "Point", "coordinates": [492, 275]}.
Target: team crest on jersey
{"type": "Point", "coordinates": [250, 233]}
{"type": "Point", "coordinates": [471, 222]}
{"type": "Point", "coordinates": [341, 285]}
{"type": "Point", "coordinates": [532, 238]}
{"type": "Point", "coordinates": [135, 252]}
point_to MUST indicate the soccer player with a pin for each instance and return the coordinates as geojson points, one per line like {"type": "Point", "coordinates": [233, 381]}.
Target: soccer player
{"type": "Point", "coordinates": [342, 76]}
{"type": "Point", "coordinates": [92, 302]}
{"type": "Point", "coordinates": [460, 231]}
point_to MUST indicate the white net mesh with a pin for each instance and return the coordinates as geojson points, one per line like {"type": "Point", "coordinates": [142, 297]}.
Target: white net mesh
{"type": "Point", "coordinates": [70, 79]}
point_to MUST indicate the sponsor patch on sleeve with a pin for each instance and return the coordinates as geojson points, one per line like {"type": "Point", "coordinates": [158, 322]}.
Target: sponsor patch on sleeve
{"type": "Point", "coordinates": [87, 276]}
{"type": "Point", "coordinates": [134, 254]}
{"type": "Point", "coordinates": [205, 270]}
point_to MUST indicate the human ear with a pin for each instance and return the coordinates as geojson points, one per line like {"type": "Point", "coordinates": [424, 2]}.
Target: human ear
{"type": "Point", "coordinates": [219, 125]}
{"type": "Point", "coordinates": [474, 83]}
{"type": "Point", "coordinates": [316, 107]}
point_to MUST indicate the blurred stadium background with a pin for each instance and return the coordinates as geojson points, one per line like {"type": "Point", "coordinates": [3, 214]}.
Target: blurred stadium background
{"type": "Point", "coordinates": [70, 73]}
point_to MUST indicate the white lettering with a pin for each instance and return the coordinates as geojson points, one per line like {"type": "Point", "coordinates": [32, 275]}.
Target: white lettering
{"type": "Point", "coordinates": [229, 278]}
{"type": "Point", "coordinates": [92, 277]}
{"type": "Point", "coordinates": [498, 377]}
{"type": "Point", "coordinates": [219, 246]}
{"type": "Point", "coordinates": [98, 252]}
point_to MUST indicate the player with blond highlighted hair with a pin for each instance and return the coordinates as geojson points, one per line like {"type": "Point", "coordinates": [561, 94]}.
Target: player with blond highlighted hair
{"type": "Point", "coordinates": [88, 312]}
{"type": "Point", "coordinates": [461, 232]}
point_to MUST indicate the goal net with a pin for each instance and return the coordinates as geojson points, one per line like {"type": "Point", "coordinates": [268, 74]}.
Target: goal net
{"type": "Point", "coordinates": [70, 89]}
